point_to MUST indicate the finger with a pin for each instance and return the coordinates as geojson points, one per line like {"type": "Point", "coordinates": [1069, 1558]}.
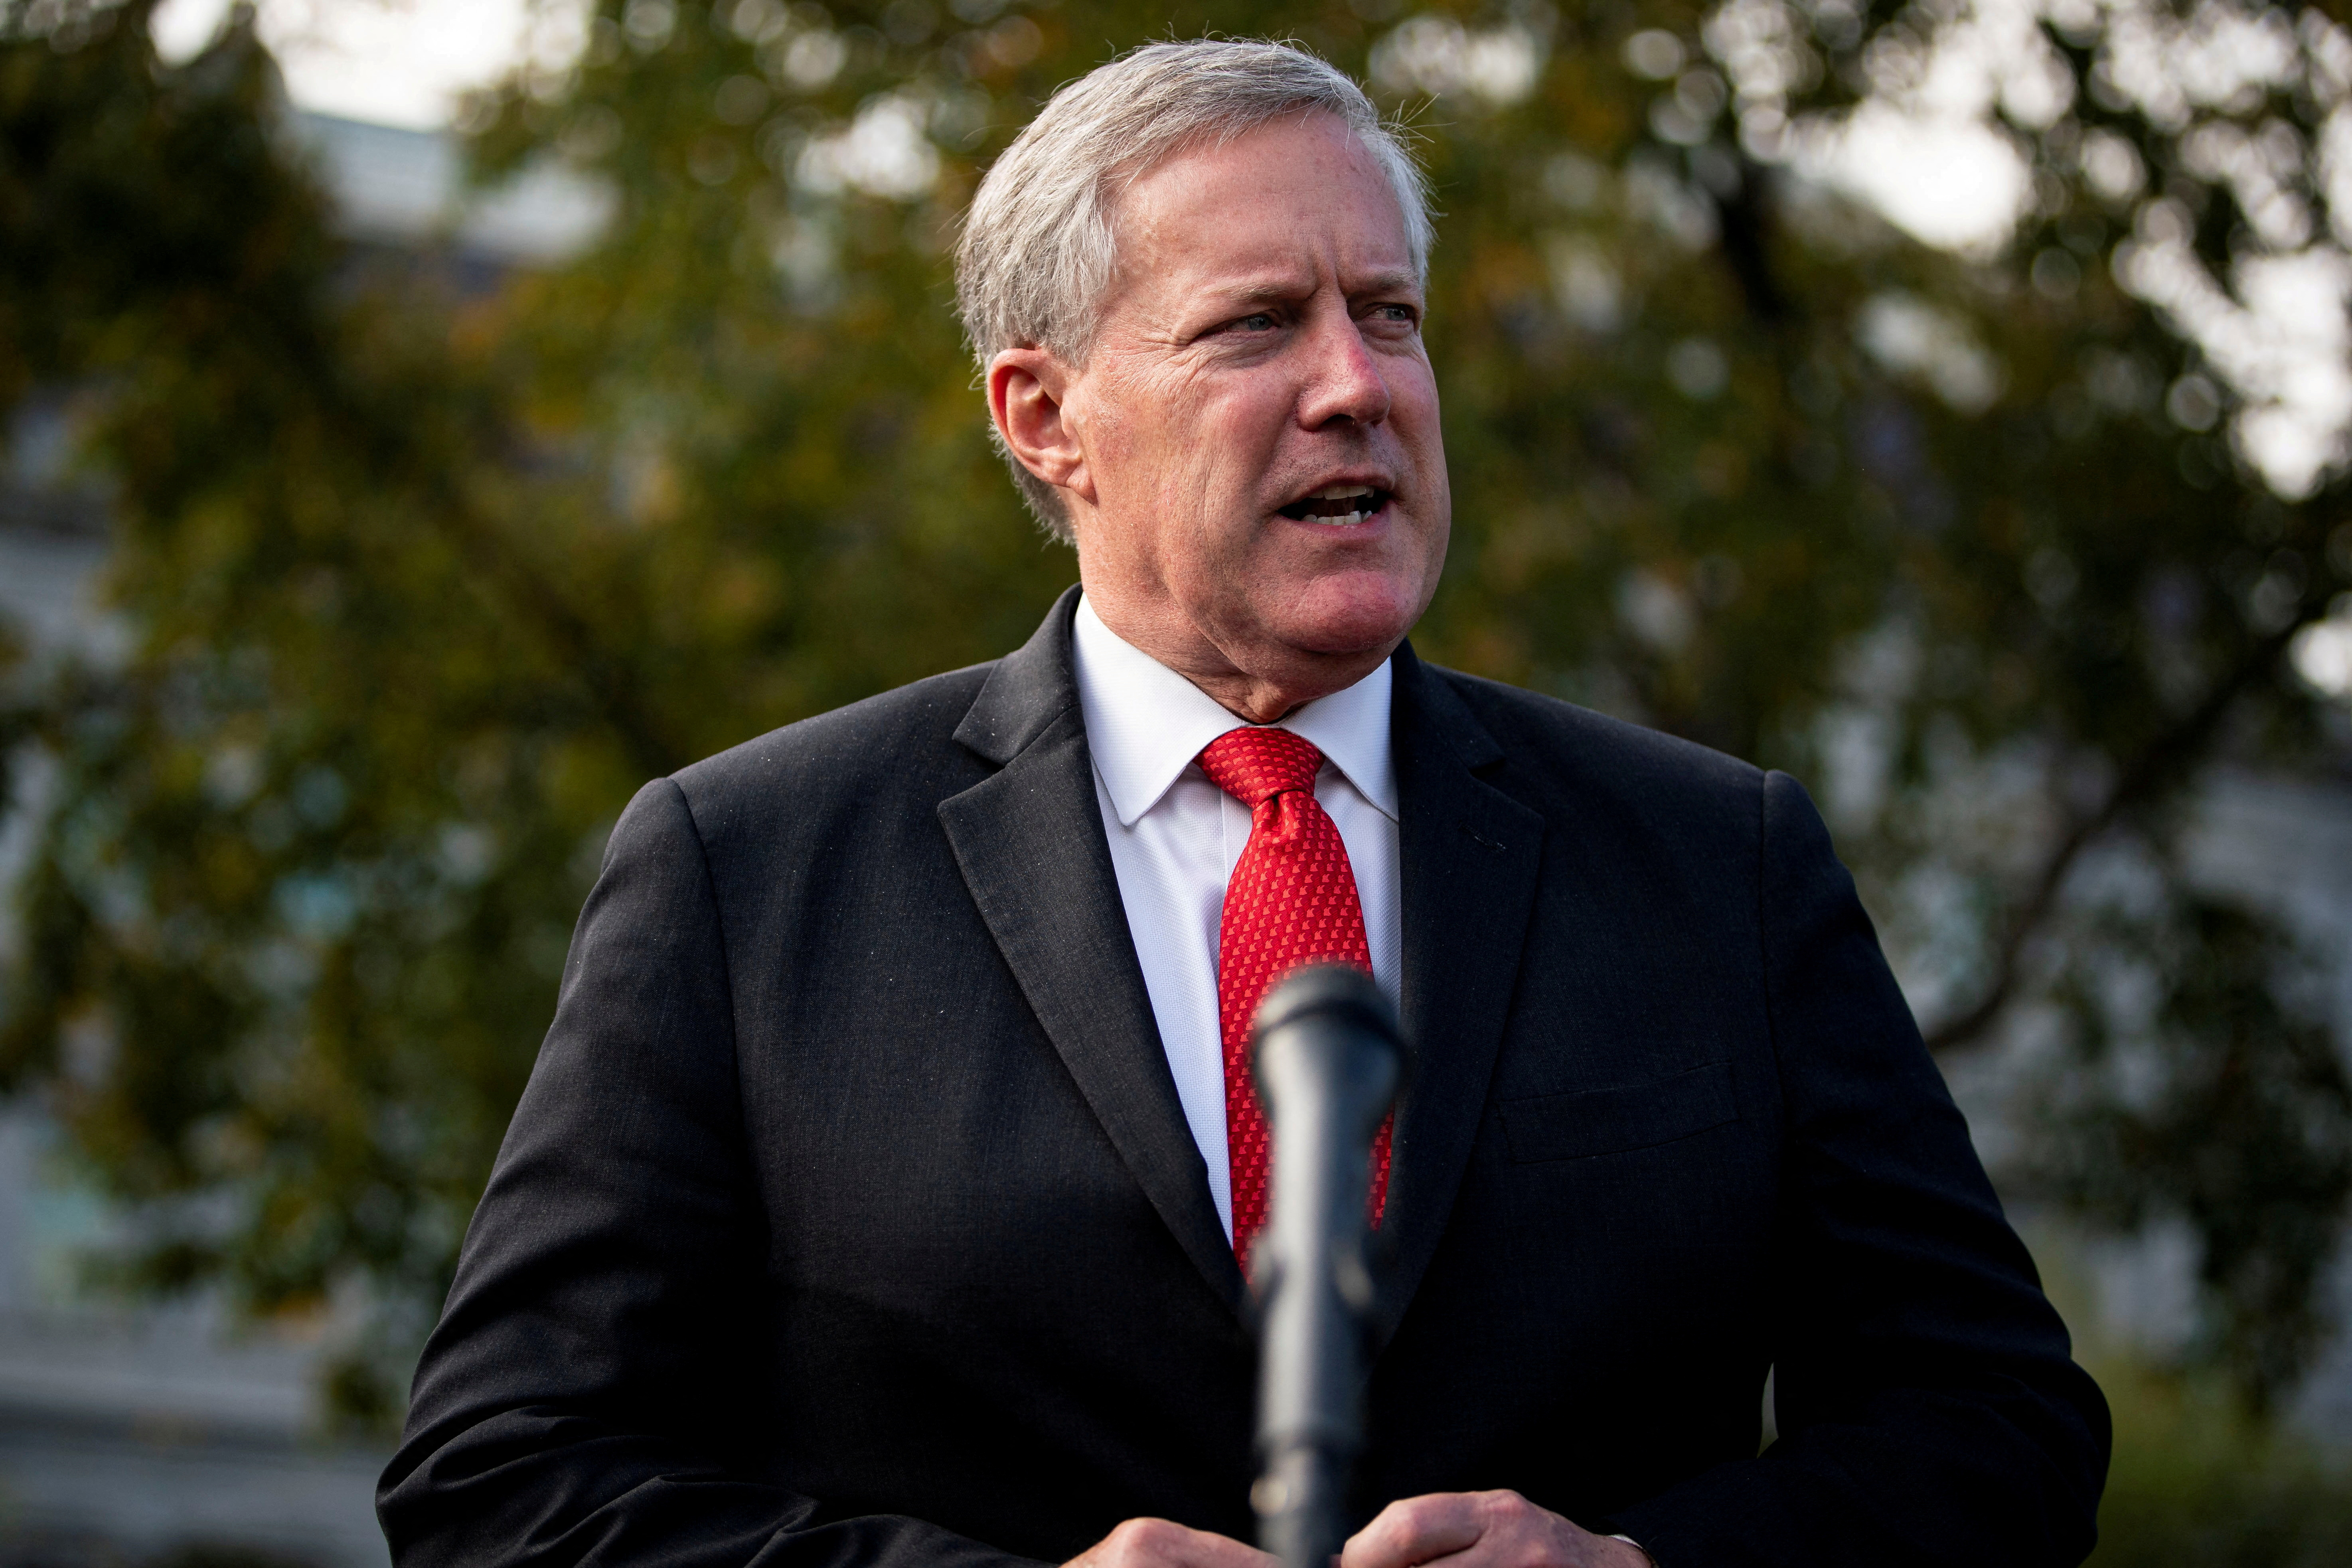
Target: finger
{"type": "Point", "coordinates": [1417, 1529]}
{"type": "Point", "coordinates": [1164, 1543]}
{"type": "Point", "coordinates": [1206, 1549]}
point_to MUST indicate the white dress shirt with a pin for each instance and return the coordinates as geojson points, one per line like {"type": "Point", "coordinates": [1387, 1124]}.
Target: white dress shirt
{"type": "Point", "coordinates": [1175, 838]}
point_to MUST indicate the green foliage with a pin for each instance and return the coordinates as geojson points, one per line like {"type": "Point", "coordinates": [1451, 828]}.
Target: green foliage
{"type": "Point", "coordinates": [421, 577]}
{"type": "Point", "coordinates": [2201, 1091]}
{"type": "Point", "coordinates": [2194, 1481]}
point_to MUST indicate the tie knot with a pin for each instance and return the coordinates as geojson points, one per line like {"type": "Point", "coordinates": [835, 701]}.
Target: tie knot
{"type": "Point", "coordinates": [1255, 764]}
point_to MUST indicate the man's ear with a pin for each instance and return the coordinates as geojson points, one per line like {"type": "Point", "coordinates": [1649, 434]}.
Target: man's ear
{"type": "Point", "coordinates": [1026, 391]}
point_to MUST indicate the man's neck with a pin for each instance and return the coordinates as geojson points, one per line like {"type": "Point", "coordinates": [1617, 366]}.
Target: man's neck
{"type": "Point", "coordinates": [1146, 722]}
{"type": "Point", "coordinates": [1282, 681]}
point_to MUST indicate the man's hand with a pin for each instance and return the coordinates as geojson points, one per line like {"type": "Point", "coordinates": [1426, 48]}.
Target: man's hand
{"type": "Point", "coordinates": [1160, 1543]}
{"type": "Point", "coordinates": [1482, 1530]}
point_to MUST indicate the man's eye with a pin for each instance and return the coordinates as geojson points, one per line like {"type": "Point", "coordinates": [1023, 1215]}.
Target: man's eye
{"type": "Point", "coordinates": [1259, 323]}
{"type": "Point", "coordinates": [1402, 314]}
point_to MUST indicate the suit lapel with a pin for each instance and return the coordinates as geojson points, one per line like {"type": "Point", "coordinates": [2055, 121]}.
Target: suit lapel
{"type": "Point", "coordinates": [1029, 840]}
{"type": "Point", "coordinates": [1471, 857]}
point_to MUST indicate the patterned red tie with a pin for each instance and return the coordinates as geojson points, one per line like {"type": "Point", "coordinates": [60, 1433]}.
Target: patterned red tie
{"type": "Point", "coordinates": [1292, 901]}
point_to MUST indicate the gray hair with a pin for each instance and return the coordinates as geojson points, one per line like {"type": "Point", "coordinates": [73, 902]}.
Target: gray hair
{"type": "Point", "coordinates": [1038, 248]}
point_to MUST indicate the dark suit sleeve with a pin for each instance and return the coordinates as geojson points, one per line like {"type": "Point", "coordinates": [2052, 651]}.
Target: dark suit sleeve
{"type": "Point", "coordinates": [588, 1395]}
{"type": "Point", "coordinates": [1928, 1411]}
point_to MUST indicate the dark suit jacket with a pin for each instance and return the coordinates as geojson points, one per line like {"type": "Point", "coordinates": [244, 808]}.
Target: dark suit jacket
{"type": "Point", "coordinates": [850, 1216]}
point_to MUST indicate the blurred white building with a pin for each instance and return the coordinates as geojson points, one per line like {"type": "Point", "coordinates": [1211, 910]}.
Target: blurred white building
{"type": "Point", "coordinates": [131, 1434]}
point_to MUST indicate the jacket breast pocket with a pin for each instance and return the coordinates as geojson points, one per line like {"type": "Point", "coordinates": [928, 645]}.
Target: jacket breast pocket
{"type": "Point", "coordinates": [1613, 1120]}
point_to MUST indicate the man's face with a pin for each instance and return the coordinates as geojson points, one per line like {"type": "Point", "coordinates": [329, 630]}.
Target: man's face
{"type": "Point", "coordinates": [1262, 481]}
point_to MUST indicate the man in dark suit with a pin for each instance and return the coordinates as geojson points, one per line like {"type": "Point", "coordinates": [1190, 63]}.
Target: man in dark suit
{"type": "Point", "coordinates": [878, 1196]}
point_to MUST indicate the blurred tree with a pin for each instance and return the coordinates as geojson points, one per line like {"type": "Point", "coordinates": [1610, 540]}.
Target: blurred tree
{"type": "Point", "coordinates": [2195, 1481]}
{"type": "Point", "coordinates": [2207, 1091]}
{"type": "Point", "coordinates": [2004, 548]}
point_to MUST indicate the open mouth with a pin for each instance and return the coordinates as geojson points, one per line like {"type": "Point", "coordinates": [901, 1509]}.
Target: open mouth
{"type": "Point", "coordinates": [1339, 505]}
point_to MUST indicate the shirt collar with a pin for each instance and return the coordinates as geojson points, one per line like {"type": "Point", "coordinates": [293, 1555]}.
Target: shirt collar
{"type": "Point", "coordinates": [1146, 723]}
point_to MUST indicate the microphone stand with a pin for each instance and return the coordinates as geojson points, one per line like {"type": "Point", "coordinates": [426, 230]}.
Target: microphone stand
{"type": "Point", "coordinates": [1328, 1062]}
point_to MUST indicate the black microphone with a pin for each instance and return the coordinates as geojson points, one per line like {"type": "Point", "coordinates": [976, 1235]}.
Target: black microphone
{"type": "Point", "coordinates": [1327, 1061]}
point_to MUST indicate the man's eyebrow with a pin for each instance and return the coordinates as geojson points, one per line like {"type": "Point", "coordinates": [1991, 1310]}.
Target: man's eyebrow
{"type": "Point", "coordinates": [1389, 282]}
{"type": "Point", "coordinates": [1276, 290]}
{"type": "Point", "coordinates": [1261, 292]}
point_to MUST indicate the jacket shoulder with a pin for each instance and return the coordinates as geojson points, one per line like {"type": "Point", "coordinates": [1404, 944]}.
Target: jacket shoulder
{"type": "Point", "coordinates": [1551, 746]}
{"type": "Point", "coordinates": [870, 752]}
{"type": "Point", "coordinates": [1519, 719]}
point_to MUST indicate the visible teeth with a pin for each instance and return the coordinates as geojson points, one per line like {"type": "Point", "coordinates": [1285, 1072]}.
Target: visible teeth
{"type": "Point", "coordinates": [1341, 506]}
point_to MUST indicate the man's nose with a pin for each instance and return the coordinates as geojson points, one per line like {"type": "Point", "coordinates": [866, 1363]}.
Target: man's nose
{"type": "Point", "coordinates": [1343, 381]}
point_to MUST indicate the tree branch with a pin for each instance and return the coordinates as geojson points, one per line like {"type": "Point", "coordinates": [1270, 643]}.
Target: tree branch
{"type": "Point", "coordinates": [610, 685]}
{"type": "Point", "coordinates": [2158, 766]}
{"type": "Point", "coordinates": [389, 439]}
{"type": "Point", "coordinates": [1744, 235]}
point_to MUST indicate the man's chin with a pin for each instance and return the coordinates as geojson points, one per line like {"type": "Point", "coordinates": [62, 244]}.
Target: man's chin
{"type": "Point", "coordinates": [1350, 614]}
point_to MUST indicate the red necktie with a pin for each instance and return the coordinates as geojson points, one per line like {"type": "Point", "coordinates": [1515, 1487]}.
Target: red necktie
{"type": "Point", "coordinates": [1292, 901]}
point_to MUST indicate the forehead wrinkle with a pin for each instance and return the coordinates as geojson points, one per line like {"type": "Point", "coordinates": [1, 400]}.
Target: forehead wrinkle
{"type": "Point", "coordinates": [1121, 177]}
{"type": "Point", "coordinates": [1114, 189]}
{"type": "Point", "coordinates": [1387, 280]}
{"type": "Point", "coordinates": [1264, 290]}
{"type": "Point", "coordinates": [1277, 288]}
{"type": "Point", "coordinates": [1167, 295]}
